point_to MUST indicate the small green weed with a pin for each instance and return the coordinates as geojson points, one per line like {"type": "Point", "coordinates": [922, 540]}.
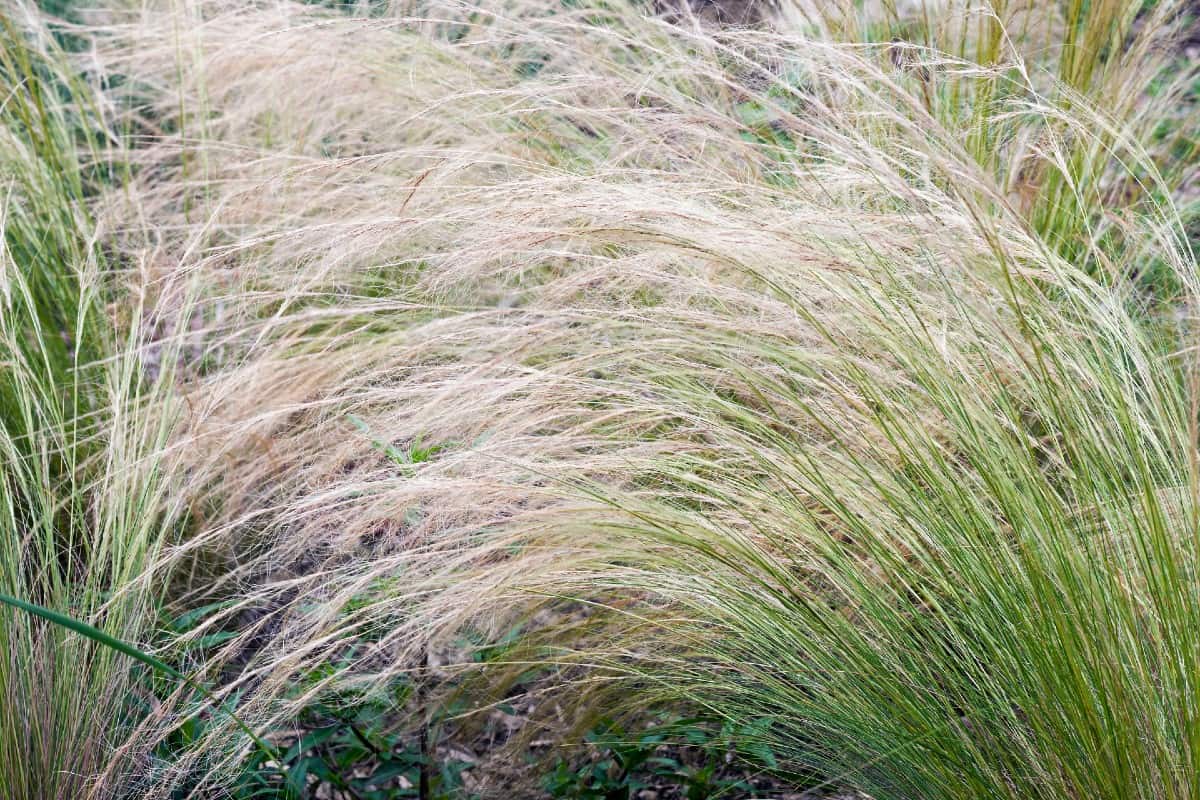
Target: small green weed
{"type": "Point", "coordinates": [415, 453]}
{"type": "Point", "coordinates": [347, 745]}
{"type": "Point", "coordinates": [686, 758]}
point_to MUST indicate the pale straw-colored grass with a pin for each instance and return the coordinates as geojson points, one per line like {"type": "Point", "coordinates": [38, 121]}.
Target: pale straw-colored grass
{"type": "Point", "coordinates": [821, 369]}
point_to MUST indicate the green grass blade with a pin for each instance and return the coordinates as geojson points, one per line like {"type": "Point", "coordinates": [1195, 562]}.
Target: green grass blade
{"type": "Point", "coordinates": [100, 637]}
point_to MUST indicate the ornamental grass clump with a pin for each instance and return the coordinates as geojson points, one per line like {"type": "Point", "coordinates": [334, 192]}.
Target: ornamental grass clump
{"type": "Point", "coordinates": [85, 498]}
{"type": "Point", "coordinates": [833, 378]}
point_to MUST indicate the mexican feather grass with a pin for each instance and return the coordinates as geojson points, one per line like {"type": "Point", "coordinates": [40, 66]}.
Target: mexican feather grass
{"type": "Point", "coordinates": [838, 374]}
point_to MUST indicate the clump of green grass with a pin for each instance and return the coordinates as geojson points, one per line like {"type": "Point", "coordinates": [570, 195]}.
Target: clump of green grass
{"type": "Point", "coordinates": [85, 502]}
